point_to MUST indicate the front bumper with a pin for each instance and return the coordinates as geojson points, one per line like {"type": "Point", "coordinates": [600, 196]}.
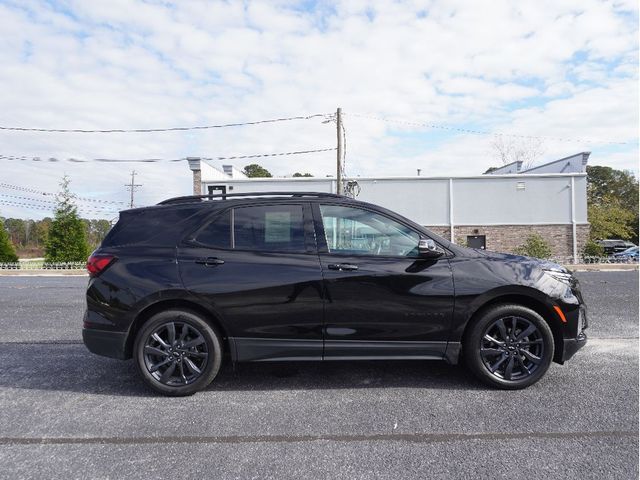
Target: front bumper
{"type": "Point", "coordinates": [105, 343]}
{"type": "Point", "coordinates": [572, 345]}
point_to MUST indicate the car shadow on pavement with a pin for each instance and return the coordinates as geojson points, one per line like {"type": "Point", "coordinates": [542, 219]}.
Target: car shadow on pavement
{"type": "Point", "coordinates": [70, 367]}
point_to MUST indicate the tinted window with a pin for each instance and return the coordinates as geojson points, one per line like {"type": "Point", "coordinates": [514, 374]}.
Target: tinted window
{"type": "Point", "coordinates": [354, 231]}
{"type": "Point", "coordinates": [155, 225]}
{"type": "Point", "coordinates": [218, 232]}
{"type": "Point", "coordinates": [278, 228]}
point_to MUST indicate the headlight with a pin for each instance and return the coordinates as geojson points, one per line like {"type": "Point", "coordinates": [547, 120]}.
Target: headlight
{"type": "Point", "coordinates": [560, 275]}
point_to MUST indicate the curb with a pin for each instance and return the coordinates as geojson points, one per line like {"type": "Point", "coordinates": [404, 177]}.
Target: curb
{"type": "Point", "coordinates": [603, 267]}
{"type": "Point", "coordinates": [43, 273]}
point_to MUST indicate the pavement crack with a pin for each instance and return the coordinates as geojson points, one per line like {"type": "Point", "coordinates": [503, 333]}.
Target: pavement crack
{"type": "Point", "coordinates": [390, 437]}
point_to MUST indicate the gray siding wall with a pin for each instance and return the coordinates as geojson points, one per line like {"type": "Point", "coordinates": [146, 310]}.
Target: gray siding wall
{"type": "Point", "coordinates": [485, 200]}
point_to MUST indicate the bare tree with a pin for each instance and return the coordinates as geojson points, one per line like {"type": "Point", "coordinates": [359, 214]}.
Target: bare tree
{"type": "Point", "coordinates": [525, 150]}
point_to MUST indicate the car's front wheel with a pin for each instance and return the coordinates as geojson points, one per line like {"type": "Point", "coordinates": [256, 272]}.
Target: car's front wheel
{"type": "Point", "coordinates": [509, 346]}
{"type": "Point", "coordinates": [177, 352]}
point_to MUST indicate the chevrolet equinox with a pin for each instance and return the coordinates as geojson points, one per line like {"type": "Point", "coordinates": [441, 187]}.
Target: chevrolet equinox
{"type": "Point", "coordinates": [264, 277]}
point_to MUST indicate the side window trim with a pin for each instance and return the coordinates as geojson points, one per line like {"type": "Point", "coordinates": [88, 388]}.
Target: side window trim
{"type": "Point", "coordinates": [232, 226]}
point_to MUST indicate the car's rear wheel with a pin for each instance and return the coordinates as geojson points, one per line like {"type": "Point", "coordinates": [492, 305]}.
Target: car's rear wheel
{"type": "Point", "coordinates": [177, 352]}
{"type": "Point", "coordinates": [509, 347]}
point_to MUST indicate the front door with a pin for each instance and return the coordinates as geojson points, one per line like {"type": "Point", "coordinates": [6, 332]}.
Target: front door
{"type": "Point", "coordinates": [383, 300]}
{"type": "Point", "coordinates": [258, 269]}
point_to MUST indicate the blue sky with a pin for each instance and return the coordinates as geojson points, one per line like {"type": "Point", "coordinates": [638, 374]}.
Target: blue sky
{"type": "Point", "coordinates": [541, 68]}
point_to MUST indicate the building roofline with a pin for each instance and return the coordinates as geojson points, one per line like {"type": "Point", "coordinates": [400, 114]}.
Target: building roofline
{"type": "Point", "coordinates": [324, 179]}
{"type": "Point", "coordinates": [556, 161]}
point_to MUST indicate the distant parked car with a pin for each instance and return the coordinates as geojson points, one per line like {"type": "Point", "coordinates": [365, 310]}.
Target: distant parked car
{"type": "Point", "coordinates": [629, 255]}
{"type": "Point", "coordinates": [615, 245]}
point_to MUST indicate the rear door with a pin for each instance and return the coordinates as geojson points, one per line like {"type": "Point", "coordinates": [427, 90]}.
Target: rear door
{"type": "Point", "coordinates": [257, 267]}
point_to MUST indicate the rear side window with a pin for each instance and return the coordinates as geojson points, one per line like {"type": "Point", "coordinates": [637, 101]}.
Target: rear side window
{"type": "Point", "coordinates": [218, 232]}
{"type": "Point", "coordinates": [274, 228]}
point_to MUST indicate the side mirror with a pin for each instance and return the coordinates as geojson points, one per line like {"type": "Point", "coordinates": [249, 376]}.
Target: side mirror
{"type": "Point", "coordinates": [427, 248]}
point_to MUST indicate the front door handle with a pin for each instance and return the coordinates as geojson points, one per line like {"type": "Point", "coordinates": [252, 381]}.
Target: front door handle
{"type": "Point", "coordinates": [209, 261]}
{"type": "Point", "coordinates": [343, 267]}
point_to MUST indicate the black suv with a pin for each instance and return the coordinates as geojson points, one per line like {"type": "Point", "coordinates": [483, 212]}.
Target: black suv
{"type": "Point", "coordinates": [312, 276]}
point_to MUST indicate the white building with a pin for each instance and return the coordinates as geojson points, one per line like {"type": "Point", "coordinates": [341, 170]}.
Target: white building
{"type": "Point", "coordinates": [496, 211]}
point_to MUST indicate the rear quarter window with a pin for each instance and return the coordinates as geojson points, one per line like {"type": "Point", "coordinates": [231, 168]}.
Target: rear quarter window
{"type": "Point", "coordinates": [151, 226]}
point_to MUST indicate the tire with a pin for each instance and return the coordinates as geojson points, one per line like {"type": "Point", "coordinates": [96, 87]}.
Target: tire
{"type": "Point", "coordinates": [177, 353]}
{"type": "Point", "coordinates": [501, 359]}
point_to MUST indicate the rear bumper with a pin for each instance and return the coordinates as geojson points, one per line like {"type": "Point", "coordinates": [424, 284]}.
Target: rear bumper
{"type": "Point", "coordinates": [572, 345]}
{"type": "Point", "coordinates": [105, 343]}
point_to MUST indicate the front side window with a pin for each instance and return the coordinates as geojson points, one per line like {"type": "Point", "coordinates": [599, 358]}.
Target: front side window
{"type": "Point", "coordinates": [275, 228]}
{"type": "Point", "coordinates": [353, 231]}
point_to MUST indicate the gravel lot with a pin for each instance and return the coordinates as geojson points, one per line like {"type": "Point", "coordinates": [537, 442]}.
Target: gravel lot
{"type": "Point", "coordinates": [65, 413]}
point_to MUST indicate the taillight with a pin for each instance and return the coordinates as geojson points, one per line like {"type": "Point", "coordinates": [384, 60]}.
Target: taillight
{"type": "Point", "coordinates": [96, 264]}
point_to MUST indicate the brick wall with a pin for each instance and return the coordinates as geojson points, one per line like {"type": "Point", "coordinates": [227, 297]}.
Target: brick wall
{"type": "Point", "coordinates": [506, 238]}
{"type": "Point", "coordinates": [197, 182]}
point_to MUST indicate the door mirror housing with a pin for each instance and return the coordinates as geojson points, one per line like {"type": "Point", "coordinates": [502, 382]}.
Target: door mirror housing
{"type": "Point", "coordinates": [427, 248]}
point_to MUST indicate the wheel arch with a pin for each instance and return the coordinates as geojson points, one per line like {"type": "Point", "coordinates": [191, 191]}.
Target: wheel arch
{"type": "Point", "coordinates": [535, 304]}
{"type": "Point", "coordinates": [178, 303]}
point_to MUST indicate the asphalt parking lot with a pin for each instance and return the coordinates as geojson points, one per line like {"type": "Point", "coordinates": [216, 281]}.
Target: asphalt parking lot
{"type": "Point", "coordinates": [65, 413]}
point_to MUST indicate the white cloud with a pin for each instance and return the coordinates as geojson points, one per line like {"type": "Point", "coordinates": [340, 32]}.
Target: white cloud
{"type": "Point", "coordinates": [555, 69]}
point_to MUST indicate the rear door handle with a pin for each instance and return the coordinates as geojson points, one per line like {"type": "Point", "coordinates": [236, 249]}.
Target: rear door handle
{"type": "Point", "coordinates": [209, 261]}
{"type": "Point", "coordinates": [343, 267]}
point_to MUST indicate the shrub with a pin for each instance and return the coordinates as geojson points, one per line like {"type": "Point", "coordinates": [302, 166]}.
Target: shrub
{"type": "Point", "coordinates": [592, 249]}
{"type": "Point", "coordinates": [535, 246]}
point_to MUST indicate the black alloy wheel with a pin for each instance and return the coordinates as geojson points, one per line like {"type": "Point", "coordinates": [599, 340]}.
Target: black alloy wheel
{"type": "Point", "coordinates": [177, 352]}
{"type": "Point", "coordinates": [509, 346]}
{"type": "Point", "coordinates": [512, 348]}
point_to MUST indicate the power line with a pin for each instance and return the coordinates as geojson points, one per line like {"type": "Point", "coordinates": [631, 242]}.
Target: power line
{"type": "Point", "coordinates": [39, 192]}
{"type": "Point", "coordinates": [169, 129]}
{"type": "Point", "coordinates": [55, 203]}
{"type": "Point", "coordinates": [483, 132]}
{"type": "Point", "coordinates": [259, 155]}
{"type": "Point", "coordinates": [158, 160]}
{"type": "Point", "coordinates": [34, 206]}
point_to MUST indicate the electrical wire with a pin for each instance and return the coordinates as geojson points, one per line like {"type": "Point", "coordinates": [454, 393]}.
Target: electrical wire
{"type": "Point", "coordinates": [157, 160]}
{"type": "Point", "coordinates": [169, 129]}
{"type": "Point", "coordinates": [51, 208]}
{"type": "Point", "coordinates": [55, 203]}
{"type": "Point", "coordinates": [39, 192]}
{"type": "Point", "coordinates": [483, 132]}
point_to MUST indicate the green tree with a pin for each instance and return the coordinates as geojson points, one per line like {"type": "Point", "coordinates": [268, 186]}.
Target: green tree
{"type": "Point", "coordinates": [7, 251]}
{"type": "Point", "coordinates": [298, 174]}
{"type": "Point", "coordinates": [16, 229]}
{"type": "Point", "coordinates": [612, 197]}
{"type": "Point", "coordinates": [535, 246]}
{"type": "Point", "coordinates": [96, 230]}
{"type": "Point", "coordinates": [610, 219]}
{"type": "Point", "coordinates": [42, 231]}
{"type": "Point", "coordinates": [254, 171]}
{"type": "Point", "coordinates": [67, 240]}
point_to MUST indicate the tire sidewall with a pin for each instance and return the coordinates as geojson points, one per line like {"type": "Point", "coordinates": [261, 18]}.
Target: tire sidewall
{"type": "Point", "coordinates": [472, 342]}
{"type": "Point", "coordinates": [214, 348]}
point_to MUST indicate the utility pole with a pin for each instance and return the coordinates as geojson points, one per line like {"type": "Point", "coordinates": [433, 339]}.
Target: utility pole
{"type": "Point", "coordinates": [132, 186]}
{"type": "Point", "coordinates": [339, 189]}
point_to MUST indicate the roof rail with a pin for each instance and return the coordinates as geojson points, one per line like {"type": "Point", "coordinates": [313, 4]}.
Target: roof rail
{"type": "Point", "coordinates": [224, 196]}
